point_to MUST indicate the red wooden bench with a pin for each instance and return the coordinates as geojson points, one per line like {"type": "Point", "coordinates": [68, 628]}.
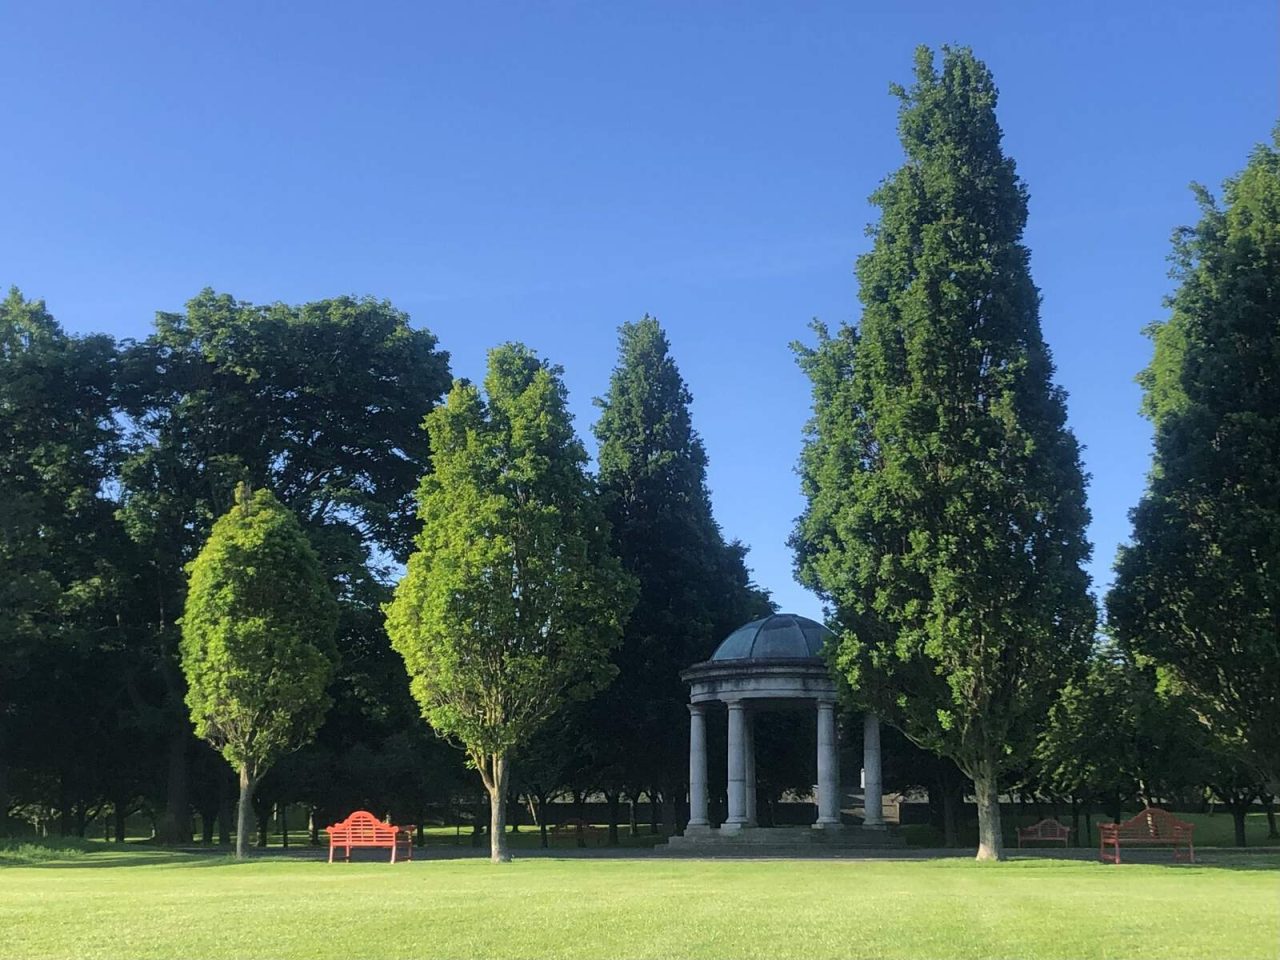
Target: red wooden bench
{"type": "Point", "coordinates": [1048, 830]}
{"type": "Point", "coordinates": [579, 828]}
{"type": "Point", "coordinates": [1152, 827]}
{"type": "Point", "coordinates": [363, 829]}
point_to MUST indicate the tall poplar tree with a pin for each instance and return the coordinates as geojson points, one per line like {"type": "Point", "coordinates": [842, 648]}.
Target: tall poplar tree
{"type": "Point", "coordinates": [513, 600]}
{"type": "Point", "coordinates": [1198, 590]}
{"type": "Point", "coordinates": [946, 506]}
{"type": "Point", "coordinates": [694, 588]}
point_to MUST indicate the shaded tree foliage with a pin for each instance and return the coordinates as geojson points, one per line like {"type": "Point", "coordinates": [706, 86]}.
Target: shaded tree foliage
{"type": "Point", "coordinates": [61, 569]}
{"type": "Point", "coordinates": [1198, 590]}
{"type": "Point", "coordinates": [322, 404]}
{"type": "Point", "coordinates": [694, 587]}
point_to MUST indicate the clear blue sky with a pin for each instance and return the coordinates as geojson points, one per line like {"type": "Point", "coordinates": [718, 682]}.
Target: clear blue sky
{"type": "Point", "coordinates": [544, 172]}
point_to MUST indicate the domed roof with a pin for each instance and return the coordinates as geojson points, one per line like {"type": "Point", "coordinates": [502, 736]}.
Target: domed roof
{"type": "Point", "coordinates": [783, 636]}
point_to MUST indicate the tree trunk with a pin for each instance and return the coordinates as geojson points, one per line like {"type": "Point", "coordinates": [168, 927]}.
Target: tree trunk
{"type": "Point", "coordinates": [64, 810]}
{"type": "Point", "coordinates": [633, 816]}
{"type": "Point", "coordinates": [496, 782]}
{"type": "Point", "coordinates": [247, 785]}
{"type": "Point", "coordinates": [1238, 811]}
{"type": "Point", "coordinates": [282, 811]}
{"type": "Point", "coordinates": [514, 810]}
{"type": "Point", "coordinates": [4, 798]}
{"type": "Point", "coordinates": [264, 823]}
{"type": "Point", "coordinates": [543, 840]}
{"type": "Point", "coordinates": [669, 817]}
{"type": "Point", "coordinates": [614, 817]}
{"type": "Point", "coordinates": [580, 815]}
{"type": "Point", "coordinates": [208, 822]}
{"type": "Point", "coordinates": [1269, 805]}
{"type": "Point", "coordinates": [987, 792]}
{"type": "Point", "coordinates": [1075, 819]}
{"type": "Point", "coordinates": [655, 813]}
{"type": "Point", "coordinates": [175, 822]}
{"type": "Point", "coordinates": [224, 813]}
{"type": "Point", "coordinates": [118, 813]}
{"type": "Point", "coordinates": [950, 805]}
{"type": "Point", "coordinates": [313, 827]}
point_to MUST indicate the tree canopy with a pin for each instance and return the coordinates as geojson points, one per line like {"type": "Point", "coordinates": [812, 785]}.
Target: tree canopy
{"type": "Point", "coordinates": [946, 506]}
{"type": "Point", "coordinates": [513, 600]}
{"type": "Point", "coordinates": [257, 640]}
{"type": "Point", "coordinates": [320, 403]}
{"type": "Point", "coordinates": [1198, 590]}
{"type": "Point", "coordinates": [694, 588]}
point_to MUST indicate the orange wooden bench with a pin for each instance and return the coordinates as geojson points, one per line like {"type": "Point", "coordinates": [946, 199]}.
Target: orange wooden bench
{"type": "Point", "coordinates": [363, 829]}
{"type": "Point", "coordinates": [1152, 827]}
{"type": "Point", "coordinates": [575, 827]}
{"type": "Point", "coordinates": [1049, 830]}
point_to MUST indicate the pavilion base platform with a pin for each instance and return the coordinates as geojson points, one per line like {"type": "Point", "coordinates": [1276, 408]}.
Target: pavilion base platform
{"type": "Point", "coordinates": [834, 836]}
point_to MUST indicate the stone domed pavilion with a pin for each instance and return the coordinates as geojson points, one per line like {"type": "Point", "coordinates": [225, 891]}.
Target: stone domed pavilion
{"type": "Point", "coordinates": [775, 663]}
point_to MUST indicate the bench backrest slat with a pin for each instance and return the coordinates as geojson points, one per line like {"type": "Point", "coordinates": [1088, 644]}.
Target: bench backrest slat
{"type": "Point", "coordinates": [1151, 824]}
{"type": "Point", "coordinates": [362, 826]}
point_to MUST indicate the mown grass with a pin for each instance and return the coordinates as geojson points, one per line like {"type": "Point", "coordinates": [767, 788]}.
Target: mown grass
{"type": "Point", "coordinates": [112, 903]}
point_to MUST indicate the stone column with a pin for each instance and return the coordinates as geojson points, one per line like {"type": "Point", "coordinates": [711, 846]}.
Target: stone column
{"type": "Point", "coordinates": [697, 767]}
{"type": "Point", "coordinates": [749, 768]}
{"type": "Point", "coordinates": [737, 767]}
{"type": "Point", "coordinates": [873, 790]}
{"type": "Point", "coordinates": [828, 772]}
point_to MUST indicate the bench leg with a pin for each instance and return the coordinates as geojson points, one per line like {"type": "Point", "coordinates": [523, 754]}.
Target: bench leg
{"type": "Point", "coordinates": [331, 853]}
{"type": "Point", "coordinates": [393, 851]}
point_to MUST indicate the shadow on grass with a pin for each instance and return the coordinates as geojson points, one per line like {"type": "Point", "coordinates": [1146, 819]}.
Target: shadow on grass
{"type": "Point", "coordinates": [72, 853]}
{"type": "Point", "coordinates": [1207, 860]}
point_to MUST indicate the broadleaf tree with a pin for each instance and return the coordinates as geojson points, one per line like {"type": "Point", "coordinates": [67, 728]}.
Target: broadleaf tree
{"type": "Point", "coordinates": [321, 403]}
{"type": "Point", "coordinates": [946, 510]}
{"type": "Point", "coordinates": [1198, 589]}
{"type": "Point", "coordinates": [60, 558]}
{"type": "Point", "coordinates": [257, 643]}
{"type": "Point", "coordinates": [513, 600]}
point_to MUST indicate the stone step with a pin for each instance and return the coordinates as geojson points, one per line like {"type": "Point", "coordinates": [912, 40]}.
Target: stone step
{"type": "Point", "coordinates": [783, 837]}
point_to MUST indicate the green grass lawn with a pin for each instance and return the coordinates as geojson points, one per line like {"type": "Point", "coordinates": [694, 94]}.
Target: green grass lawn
{"type": "Point", "coordinates": [104, 902]}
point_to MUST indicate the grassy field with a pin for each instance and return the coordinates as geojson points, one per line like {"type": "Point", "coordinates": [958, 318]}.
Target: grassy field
{"type": "Point", "coordinates": [111, 903]}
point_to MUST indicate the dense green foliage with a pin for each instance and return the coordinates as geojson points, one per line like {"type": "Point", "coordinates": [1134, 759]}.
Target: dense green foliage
{"type": "Point", "coordinates": [946, 508]}
{"type": "Point", "coordinates": [571, 908]}
{"type": "Point", "coordinates": [257, 640]}
{"type": "Point", "coordinates": [943, 529]}
{"type": "Point", "coordinates": [694, 588]}
{"type": "Point", "coordinates": [1116, 736]}
{"type": "Point", "coordinates": [1198, 591]}
{"type": "Point", "coordinates": [63, 571]}
{"type": "Point", "coordinates": [320, 403]}
{"type": "Point", "coordinates": [513, 601]}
